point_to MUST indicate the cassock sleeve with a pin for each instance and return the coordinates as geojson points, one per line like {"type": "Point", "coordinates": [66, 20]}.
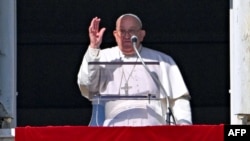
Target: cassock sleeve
{"type": "Point", "coordinates": [180, 97]}
{"type": "Point", "coordinates": [177, 91]}
{"type": "Point", "coordinates": [88, 75]}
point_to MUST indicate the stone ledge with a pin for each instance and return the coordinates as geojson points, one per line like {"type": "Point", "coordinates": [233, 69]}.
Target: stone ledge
{"type": "Point", "coordinates": [7, 134]}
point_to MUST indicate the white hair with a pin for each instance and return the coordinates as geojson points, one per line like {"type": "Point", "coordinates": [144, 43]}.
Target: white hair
{"type": "Point", "coordinates": [132, 15]}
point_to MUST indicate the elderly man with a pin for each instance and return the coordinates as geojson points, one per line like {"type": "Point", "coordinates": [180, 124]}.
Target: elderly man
{"type": "Point", "coordinates": [133, 80]}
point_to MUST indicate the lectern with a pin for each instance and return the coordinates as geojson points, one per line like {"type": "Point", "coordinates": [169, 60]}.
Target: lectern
{"type": "Point", "coordinates": [121, 83]}
{"type": "Point", "coordinates": [101, 107]}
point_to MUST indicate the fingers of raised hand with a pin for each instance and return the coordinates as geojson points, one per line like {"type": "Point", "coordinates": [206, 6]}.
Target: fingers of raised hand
{"type": "Point", "coordinates": [94, 26]}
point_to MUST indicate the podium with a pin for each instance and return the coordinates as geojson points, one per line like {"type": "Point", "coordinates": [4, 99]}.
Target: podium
{"type": "Point", "coordinates": [103, 105]}
{"type": "Point", "coordinates": [119, 82]}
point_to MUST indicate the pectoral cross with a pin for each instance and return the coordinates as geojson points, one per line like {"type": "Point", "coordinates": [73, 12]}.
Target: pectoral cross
{"type": "Point", "coordinates": [126, 87]}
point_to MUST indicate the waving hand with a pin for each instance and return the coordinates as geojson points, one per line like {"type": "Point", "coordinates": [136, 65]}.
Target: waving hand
{"type": "Point", "coordinates": [95, 34]}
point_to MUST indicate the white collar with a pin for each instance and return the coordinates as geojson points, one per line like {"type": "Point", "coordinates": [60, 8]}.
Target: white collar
{"type": "Point", "coordinates": [127, 57]}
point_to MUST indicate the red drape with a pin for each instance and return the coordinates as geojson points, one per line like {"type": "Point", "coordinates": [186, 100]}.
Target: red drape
{"type": "Point", "coordinates": [152, 133]}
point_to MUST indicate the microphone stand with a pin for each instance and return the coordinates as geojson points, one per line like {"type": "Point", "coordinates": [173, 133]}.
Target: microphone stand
{"type": "Point", "coordinates": [156, 80]}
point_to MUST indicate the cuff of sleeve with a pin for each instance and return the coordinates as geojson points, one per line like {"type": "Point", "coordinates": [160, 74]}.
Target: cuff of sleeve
{"type": "Point", "coordinates": [184, 122]}
{"type": "Point", "coordinates": [93, 52]}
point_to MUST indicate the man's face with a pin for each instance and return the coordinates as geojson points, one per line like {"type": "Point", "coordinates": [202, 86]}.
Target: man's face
{"type": "Point", "coordinates": [125, 28]}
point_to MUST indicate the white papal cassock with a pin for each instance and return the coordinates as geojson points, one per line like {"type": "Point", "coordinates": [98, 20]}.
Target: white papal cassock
{"type": "Point", "coordinates": [131, 79]}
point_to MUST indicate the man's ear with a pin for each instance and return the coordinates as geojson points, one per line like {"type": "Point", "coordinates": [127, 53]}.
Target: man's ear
{"type": "Point", "coordinates": [114, 33]}
{"type": "Point", "coordinates": [142, 35]}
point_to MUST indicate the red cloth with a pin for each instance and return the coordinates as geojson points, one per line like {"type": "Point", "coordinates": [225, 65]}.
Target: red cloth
{"type": "Point", "coordinates": [152, 133]}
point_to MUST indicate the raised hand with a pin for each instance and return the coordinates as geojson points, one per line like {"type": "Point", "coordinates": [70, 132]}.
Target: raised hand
{"type": "Point", "coordinates": [95, 34]}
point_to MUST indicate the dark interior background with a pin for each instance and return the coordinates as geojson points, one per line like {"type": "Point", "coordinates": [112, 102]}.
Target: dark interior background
{"type": "Point", "coordinates": [52, 36]}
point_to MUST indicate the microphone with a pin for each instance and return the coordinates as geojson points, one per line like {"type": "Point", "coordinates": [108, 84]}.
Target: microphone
{"type": "Point", "coordinates": [133, 39]}
{"type": "Point", "coordinates": [134, 42]}
{"type": "Point", "coordinates": [155, 79]}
